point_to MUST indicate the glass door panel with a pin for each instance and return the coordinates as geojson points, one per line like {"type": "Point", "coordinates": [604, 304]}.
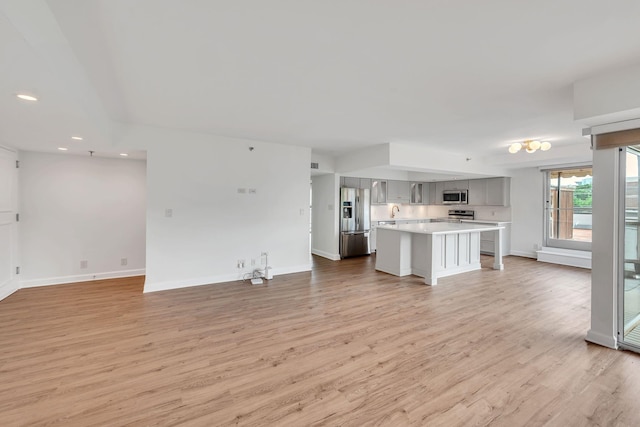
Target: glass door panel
{"type": "Point", "coordinates": [630, 318]}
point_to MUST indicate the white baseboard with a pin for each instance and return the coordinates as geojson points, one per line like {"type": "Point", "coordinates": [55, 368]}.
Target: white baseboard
{"type": "Point", "coordinates": [292, 269]}
{"type": "Point", "coordinates": [569, 257]}
{"type": "Point", "coordinates": [210, 280]}
{"type": "Point", "coordinates": [524, 254]}
{"type": "Point", "coordinates": [601, 339]}
{"type": "Point", "coordinates": [6, 291]}
{"type": "Point", "coordinates": [49, 281]}
{"type": "Point", "coordinates": [187, 283]}
{"type": "Point", "coordinates": [323, 254]}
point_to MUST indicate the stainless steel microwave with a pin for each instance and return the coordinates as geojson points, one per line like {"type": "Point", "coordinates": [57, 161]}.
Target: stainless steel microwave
{"type": "Point", "coordinates": [455, 197]}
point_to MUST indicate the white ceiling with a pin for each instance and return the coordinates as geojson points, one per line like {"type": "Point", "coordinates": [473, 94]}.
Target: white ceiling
{"type": "Point", "coordinates": [333, 75]}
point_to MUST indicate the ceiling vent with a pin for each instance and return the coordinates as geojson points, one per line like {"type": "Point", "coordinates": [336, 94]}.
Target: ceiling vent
{"type": "Point", "coordinates": [315, 165]}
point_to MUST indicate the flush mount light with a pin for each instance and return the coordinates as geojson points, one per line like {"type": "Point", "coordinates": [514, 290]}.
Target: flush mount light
{"type": "Point", "coordinates": [530, 146]}
{"type": "Point", "coordinates": [124, 154]}
{"type": "Point", "coordinates": [77, 138]}
{"type": "Point", "coordinates": [26, 97]}
{"type": "Point", "coordinates": [62, 148]}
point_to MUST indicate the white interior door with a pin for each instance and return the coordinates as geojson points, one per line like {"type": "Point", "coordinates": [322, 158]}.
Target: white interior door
{"type": "Point", "coordinates": [8, 224]}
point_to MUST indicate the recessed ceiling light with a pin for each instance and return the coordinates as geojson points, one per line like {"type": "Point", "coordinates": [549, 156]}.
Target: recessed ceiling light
{"type": "Point", "coordinates": [77, 138]}
{"type": "Point", "coordinates": [124, 154]}
{"type": "Point", "coordinates": [62, 148]}
{"type": "Point", "coordinates": [26, 97]}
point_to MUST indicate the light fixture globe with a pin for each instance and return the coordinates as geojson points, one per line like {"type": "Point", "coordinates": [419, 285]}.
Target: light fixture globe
{"type": "Point", "coordinates": [530, 146]}
{"type": "Point", "coordinates": [515, 147]}
{"type": "Point", "coordinates": [534, 145]}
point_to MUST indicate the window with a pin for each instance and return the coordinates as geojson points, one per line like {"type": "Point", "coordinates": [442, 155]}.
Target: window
{"type": "Point", "coordinates": [568, 208]}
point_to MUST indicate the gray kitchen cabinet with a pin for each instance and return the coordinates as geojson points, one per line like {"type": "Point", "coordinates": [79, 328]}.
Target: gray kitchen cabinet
{"type": "Point", "coordinates": [490, 192]}
{"type": "Point", "coordinates": [498, 191]}
{"type": "Point", "coordinates": [461, 184]}
{"type": "Point", "coordinates": [355, 182]}
{"type": "Point", "coordinates": [420, 193]}
{"type": "Point", "coordinates": [477, 192]}
{"type": "Point", "coordinates": [398, 191]}
{"type": "Point", "coordinates": [418, 190]}
{"type": "Point", "coordinates": [378, 192]}
{"type": "Point", "coordinates": [435, 193]}
{"type": "Point", "coordinates": [350, 182]}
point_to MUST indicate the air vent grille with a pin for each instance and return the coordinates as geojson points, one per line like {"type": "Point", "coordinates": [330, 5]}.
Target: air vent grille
{"type": "Point", "coordinates": [315, 165]}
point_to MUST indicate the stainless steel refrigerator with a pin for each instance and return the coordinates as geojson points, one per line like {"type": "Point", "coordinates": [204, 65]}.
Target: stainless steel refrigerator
{"type": "Point", "coordinates": [355, 224]}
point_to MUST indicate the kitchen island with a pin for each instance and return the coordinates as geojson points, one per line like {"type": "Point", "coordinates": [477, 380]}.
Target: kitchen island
{"type": "Point", "coordinates": [433, 250]}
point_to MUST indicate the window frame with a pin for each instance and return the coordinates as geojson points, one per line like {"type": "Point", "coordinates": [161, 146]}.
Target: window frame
{"type": "Point", "coordinates": [547, 240]}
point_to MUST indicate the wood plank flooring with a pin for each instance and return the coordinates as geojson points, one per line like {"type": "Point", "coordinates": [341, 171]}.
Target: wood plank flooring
{"type": "Point", "coordinates": [343, 345]}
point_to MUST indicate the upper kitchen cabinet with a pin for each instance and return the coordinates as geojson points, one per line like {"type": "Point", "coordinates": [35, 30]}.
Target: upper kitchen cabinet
{"type": "Point", "coordinates": [435, 193]}
{"type": "Point", "coordinates": [419, 193]}
{"type": "Point", "coordinates": [499, 191]}
{"type": "Point", "coordinates": [490, 192]}
{"type": "Point", "coordinates": [462, 184]}
{"type": "Point", "coordinates": [399, 192]}
{"type": "Point", "coordinates": [353, 182]}
{"type": "Point", "coordinates": [378, 192]}
{"type": "Point", "coordinates": [477, 192]}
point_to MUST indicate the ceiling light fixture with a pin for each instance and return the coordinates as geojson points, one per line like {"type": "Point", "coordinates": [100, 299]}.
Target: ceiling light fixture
{"type": "Point", "coordinates": [26, 97]}
{"type": "Point", "coordinates": [62, 148]}
{"type": "Point", "coordinates": [124, 154]}
{"type": "Point", "coordinates": [530, 146]}
{"type": "Point", "coordinates": [77, 138]}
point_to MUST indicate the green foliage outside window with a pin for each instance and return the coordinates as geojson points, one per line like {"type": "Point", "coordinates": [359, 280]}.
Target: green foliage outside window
{"type": "Point", "coordinates": [582, 195]}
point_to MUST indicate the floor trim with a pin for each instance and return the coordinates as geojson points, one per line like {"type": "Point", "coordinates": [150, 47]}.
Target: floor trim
{"type": "Point", "coordinates": [51, 281]}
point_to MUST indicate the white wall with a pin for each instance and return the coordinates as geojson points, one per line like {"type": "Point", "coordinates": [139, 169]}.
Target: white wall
{"type": "Point", "coordinates": [325, 218]}
{"type": "Point", "coordinates": [75, 208]}
{"type": "Point", "coordinates": [212, 224]}
{"type": "Point", "coordinates": [527, 192]}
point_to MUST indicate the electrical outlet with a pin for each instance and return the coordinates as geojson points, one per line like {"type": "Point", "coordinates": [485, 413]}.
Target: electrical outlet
{"type": "Point", "coordinates": [240, 263]}
{"type": "Point", "coordinates": [84, 264]}
{"type": "Point", "coordinates": [168, 213]}
{"type": "Point", "coordinates": [253, 261]}
{"type": "Point", "coordinates": [123, 261]}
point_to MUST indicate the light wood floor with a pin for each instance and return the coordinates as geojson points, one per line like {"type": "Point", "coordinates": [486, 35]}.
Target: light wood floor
{"type": "Point", "coordinates": [341, 346]}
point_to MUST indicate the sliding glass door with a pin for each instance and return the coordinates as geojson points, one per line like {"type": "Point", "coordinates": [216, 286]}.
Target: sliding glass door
{"type": "Point", "coordinates": [629, 315]}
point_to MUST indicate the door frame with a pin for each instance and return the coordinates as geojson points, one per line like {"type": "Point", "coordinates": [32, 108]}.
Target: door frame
{"type": "Point", "coordinates": [622, 152]}
{"type": "Point", "coordinates": [8, 217]}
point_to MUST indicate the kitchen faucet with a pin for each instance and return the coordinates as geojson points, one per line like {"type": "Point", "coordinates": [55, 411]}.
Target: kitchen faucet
{"type": "Point", "coordinates": [393, 211]}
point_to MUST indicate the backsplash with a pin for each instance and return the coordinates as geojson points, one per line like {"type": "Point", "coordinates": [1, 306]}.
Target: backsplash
{"type": "Point", "coordinates": [383, 212]}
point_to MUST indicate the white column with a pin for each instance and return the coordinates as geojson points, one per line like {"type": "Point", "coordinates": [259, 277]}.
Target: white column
{"type": "Point", "coordinates": [604, 271]}
{"type": "Point", "coordinates": [497, 248]}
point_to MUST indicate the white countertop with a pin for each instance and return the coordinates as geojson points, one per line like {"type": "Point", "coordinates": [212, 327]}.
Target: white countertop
{"type": "Point", "coordinates": [402, 219]}
{"type": "Point", "coordinates": [439, 228]}
{"type": "Point", "coordinates": [486, 221]}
